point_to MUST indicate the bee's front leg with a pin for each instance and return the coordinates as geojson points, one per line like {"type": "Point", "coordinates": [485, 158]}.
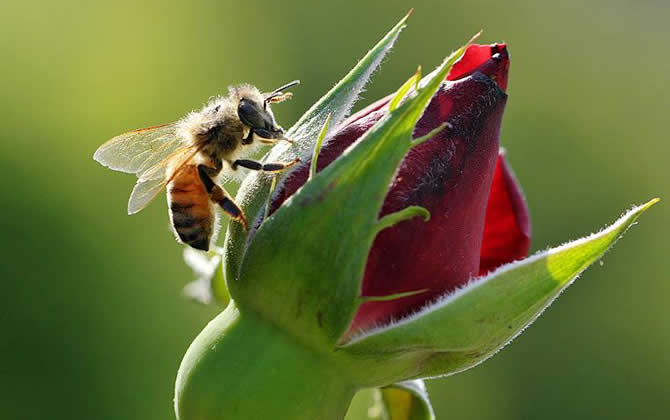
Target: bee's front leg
{"type": "Point", "coordinates": [220, 196]}
{"type": "Point", "coordinates": [265, 167]}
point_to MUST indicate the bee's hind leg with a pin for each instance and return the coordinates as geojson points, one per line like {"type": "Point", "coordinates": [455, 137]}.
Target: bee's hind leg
{"type": "Point", "coordinates": [219, 195]}
{"type": "Point", "coordinates": [265, 167]}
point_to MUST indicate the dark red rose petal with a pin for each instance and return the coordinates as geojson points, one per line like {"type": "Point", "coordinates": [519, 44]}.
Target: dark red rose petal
{"type": "Point", "coordinates": [450, 175]}
{"type": "Point", "coordinates": [507, 225]}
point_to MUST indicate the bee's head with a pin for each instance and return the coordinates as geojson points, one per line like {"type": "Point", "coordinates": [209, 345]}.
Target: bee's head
{"type": "Point", "coordinates": [254, 111]}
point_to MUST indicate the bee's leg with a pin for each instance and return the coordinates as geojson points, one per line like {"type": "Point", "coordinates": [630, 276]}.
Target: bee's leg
{"type": "Point", "coordinates": [265, 167]}
{"type": "Point", "coordinates": [211, 170]}
{"type": "Point", "coordinates": [219, 195]}
{"type": "Point", "coordinates": [223, 199]}
{"type": "Point", "coordinates": [249, 137]}
{"type": "Point", "coordinates": [264, 137]}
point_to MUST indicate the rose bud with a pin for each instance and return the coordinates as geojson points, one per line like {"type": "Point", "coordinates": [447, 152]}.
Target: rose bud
{"type": "Point", "coordinates": [362, 268]}
{"type": "Point", "coordinates": [450, 175]}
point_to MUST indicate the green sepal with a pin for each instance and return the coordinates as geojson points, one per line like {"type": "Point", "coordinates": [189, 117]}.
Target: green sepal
{"type": "Point", "coordinates": [393, 296]}
{"type": "Point", "coordinates": [337, 103]}
{"type": "Point", "coordinates": [317, 148]}
{"type": "Point", "coordinates": [404, 401]}
{"type": "Point", "coordinates": [412, 82]}
{"type": "Point", "coordinates": [299, 256]}
{"type": "Point", "coordinates": [432, 133]}
{"type": "Point", "coordinates": [471, 324]}
{"type": "Point", "coordinates": [407, 213]}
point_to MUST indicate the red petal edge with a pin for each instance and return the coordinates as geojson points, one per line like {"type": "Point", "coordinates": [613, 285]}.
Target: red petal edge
{"type": "Point", "coordinates": [492, 60]}
{"type": "Point", "coordinates": [507, 225]}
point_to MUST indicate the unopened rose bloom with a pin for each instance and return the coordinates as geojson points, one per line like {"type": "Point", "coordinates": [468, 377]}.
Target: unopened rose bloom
{"type": "Point", "coordinates": [478, 216]}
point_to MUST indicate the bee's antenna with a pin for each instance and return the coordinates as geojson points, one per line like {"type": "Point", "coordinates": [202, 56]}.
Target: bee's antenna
{"type": "Point", "coordinates": [278, 91]}
{"type": "Point", "coordinates": [286, 86]}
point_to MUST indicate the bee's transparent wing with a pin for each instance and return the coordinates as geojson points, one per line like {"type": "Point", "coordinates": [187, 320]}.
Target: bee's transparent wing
{"type": "Point", "coordinates": [143, 192]}
{"type": "Point", "coordinates": [147, 153]}
{"type": "Point", "coordinates": [152, 181]}
{"type": "Point", "coordinates": [139, 150]}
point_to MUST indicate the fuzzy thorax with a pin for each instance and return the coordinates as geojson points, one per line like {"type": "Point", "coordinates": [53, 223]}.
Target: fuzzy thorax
{"type": "Point", "coordinates": [218, 130]}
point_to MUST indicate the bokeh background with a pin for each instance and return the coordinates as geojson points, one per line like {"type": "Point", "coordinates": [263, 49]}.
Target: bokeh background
{"type": "Point", "coordinates": [92, 320]}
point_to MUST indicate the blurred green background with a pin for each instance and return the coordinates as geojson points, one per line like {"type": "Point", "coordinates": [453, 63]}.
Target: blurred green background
{"type": "Point", "coordinates": [92, 318]}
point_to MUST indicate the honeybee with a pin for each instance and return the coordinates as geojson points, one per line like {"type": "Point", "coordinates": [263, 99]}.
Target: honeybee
{"type": "Point", "coordinates": [187, 157]}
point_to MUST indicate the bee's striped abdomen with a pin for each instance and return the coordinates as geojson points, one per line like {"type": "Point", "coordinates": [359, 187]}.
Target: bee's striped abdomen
{"type": "Point", "coordinates": [190, 208]}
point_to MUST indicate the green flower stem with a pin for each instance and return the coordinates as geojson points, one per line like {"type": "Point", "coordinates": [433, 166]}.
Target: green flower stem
{"type": "Point", "coordinates": [241, 367]}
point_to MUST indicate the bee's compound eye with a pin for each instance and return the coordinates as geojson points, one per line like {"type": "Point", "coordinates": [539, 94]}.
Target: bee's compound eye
{"type": "Point", "coordinates": [251, 114]}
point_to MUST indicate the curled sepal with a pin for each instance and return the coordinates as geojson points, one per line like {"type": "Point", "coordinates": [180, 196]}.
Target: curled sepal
{"type": "Point", "coordinates": [337, 104]}
{"type": "Point", "coordinates": [469, 325]}
{"type": "Point", "coordinates": [209, 285]}
{"type": "Point", "coordinates": [298, 257]}
{"type": "Point", "coordinates": [403, 401]}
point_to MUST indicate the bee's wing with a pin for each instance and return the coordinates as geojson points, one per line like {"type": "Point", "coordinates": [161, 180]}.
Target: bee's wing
{"type": "Point", "coordinates": [139, 150]}
{"type": "Point", "coordinates": [147, 153]}
{"type": "Point", "coordinates": [152, 180]}
{"type": "Point", "coordinates": [143, 192]}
